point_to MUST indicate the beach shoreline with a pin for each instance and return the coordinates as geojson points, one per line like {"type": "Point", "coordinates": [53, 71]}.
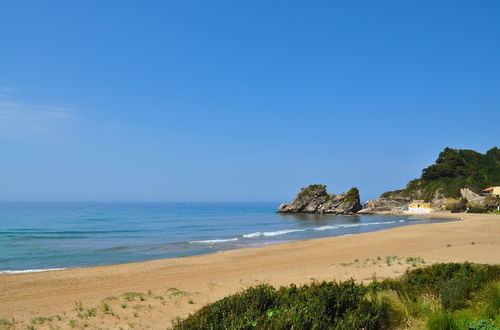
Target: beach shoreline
{"type": "Point", "coordinates": [435, 216]}
{"type": "Point", "coordinates": [205, 278]}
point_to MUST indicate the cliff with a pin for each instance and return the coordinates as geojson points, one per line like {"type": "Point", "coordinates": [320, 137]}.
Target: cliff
{"type": "Point", "coordinates": [315, 199]}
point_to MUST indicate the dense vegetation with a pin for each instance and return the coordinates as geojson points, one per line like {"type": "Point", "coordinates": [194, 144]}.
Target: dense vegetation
{"type": "Point", "coordinates": [314, 190]}
{"type": "Point", "coordinates": [454, 169]}
{"type": "Point", "coordinates": [442, 296]}
{"type": "Point", "coordinates": [352, 194]}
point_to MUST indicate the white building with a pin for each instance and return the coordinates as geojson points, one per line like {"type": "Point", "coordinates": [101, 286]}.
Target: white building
{"type": "Point", "coordinates": [419, 207]}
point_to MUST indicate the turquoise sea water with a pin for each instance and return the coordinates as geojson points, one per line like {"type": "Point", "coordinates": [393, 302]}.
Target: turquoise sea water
{"type": "Point", "coordinates": [35, 236]}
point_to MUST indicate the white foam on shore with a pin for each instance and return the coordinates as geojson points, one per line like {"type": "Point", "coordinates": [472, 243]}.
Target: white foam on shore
{"type": "Point", "coordinates": [288, 231]}
{"type": "Point", "coordinates": [281, 232]}
{"type": "Point", "coordinates": [367, 224]}
{"type": "Point", "coordinates": [325, 228]}
{"type": "Point", "coordinates": [213, 241]}
{"type": "Point", "coordinates": [28, 271]}
{"type": "Point", "coordinates": [272, 233]}
{"type": "Point", "coordinates": [251, 235]}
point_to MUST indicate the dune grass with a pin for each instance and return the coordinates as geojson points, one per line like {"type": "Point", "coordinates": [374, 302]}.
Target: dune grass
{"type": "Point", "coordinates": [130, 296]}
{"type": "Point", "coordinates": [5, 324]}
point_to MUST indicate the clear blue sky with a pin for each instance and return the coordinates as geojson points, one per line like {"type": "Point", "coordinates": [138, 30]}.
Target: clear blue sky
{"type": "Point", "coordinates": [239, 100]}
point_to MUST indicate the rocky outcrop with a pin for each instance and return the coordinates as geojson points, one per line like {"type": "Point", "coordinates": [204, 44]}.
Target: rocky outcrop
{"type": "Point", "coordinates": [385, 204]}
{"type": "Point", "coordinates": [315, 199]}
{"type": "Point", "coordinates": [471, 196]}
{"type": "Point", "coordinates": [391, 202]}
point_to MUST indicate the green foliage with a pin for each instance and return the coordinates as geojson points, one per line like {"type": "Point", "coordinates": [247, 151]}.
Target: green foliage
{"type": "Point", "coordinates": [312, 190]}
{"type": "Point", "coordinates": [174, 292]}
{"type": "Point", "coordinates": [91, 312]}
{"type": "Point", "coordinates": [4, 324]}
{"type": "Point", "coordinates": [352, 194]}
{"type": "Point", "coordinates": [394, 193]}
{"type": "Point", "coordinates": [130, 296]}
{"type": "Point", "coordinates": [440, 296]}
{"type": "Point", "coordinates": [110, 298]}
{"type": "Point", "coordinates": [488, 301]}
{"type": "Point", "coordinates": [460, 206]}
{"type": "Point", "coordinates": [477, 209]}
{"type": "Point", "coordinates": [492, 202]}
{"type": "Point", "coordinates": [325, 305]}
{"type": "Point", "coordinates": [453, 283]}
{"type": "Point", "coordinates": [78, 306]}
{"type": "Point", "coordinates": [482, 325]}
{"type": "Point", "coordinates": [454, 169]}
{"type": "Point", "coordinates": [442, 320]}
{"type": "Point", "coordinates": [40, 319]}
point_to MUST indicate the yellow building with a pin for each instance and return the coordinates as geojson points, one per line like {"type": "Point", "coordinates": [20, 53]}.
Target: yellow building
{"type": "Point", "coordinates": [419, 206]}
{"type": "Point", "coordinates": [492, 191]}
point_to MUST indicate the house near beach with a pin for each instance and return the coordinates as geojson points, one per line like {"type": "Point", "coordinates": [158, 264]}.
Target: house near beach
{"type": "Point", "coordinates": [491, 191]}
{"type": "Point", "coordinates": [419, 206]}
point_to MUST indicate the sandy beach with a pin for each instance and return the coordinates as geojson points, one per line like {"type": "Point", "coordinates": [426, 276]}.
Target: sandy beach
{"type": "Point", "coordinates": [172, 288]}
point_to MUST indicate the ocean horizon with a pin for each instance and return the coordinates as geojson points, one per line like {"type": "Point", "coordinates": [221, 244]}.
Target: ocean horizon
{"type": "Point", "coordinates": [38, 236]}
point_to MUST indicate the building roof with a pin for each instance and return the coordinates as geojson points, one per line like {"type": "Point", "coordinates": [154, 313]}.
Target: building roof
{"type": "Point", "coordinates": [490, 188]}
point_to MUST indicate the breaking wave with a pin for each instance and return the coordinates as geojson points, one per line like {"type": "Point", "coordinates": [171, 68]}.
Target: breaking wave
{"type": "Point", "coordinates": [288, 231]}
{"type": "Point", "coordinates": [28, 271]}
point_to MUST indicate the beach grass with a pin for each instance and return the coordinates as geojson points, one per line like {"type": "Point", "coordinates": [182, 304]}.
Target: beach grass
{"type": "Point", "coordinates": [40, 319]}
{"type": "Point", "coordinates": [130, 296]}
{"type": "Point", "coordinates": [110, 298]}
{"type": "Point", "coordinates": [174, 292]}
{"type": "Point", "coordinates": [5, 324]}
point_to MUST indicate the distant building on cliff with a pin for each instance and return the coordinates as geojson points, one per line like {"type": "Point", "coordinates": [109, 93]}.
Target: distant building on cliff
{"type": "Point", "coordinates": [491, 191]}
{"type": "Point", "coordinates": [419, 206]}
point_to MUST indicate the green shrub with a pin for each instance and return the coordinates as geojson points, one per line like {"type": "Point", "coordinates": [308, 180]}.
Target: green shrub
{"type": "Point", "coordinates": [4, 324]}
{"type": "Point", "coordinates": [488, 301]}
{"type": "Point", "coordinates": [477, 209]}
{"type": "Point", "coordinates": [482, 325]}
{"type": "Point", "coordinates": [460, 206]}
{"type": "Point", "coordinates": [453, 283]}
{"type": "Point", "coordinates": [441, 320]}
{"type": "Point", "coordinates": [130, 296]}
{"type": "Point", "coordinates": [325, 305]}
{"type": "Point", "coordinates": [441, 296]}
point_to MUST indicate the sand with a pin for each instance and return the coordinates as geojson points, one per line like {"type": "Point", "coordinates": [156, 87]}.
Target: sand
{"type": "Point", "coordinates": [173, 288]}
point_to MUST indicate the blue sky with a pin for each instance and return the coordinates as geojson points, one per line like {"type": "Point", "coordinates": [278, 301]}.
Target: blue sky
{"type": "Point", "coordinates": [239, 100]}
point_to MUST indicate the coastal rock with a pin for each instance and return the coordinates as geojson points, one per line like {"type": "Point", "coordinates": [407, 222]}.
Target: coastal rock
{"type": "Point", "coordinates": [384, 204]}
{"type": "Point", "coordinates": [315, 199]}
{"type": "Point", "coordinates": [471, 196]}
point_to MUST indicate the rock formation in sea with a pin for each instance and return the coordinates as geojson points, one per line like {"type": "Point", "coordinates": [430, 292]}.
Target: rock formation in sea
{"type": "Point", "coordinates": [315, 199]}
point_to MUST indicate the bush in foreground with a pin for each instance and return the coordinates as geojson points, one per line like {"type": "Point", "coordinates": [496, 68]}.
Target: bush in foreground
{"type": "Point", "coordinates": [325, 305]}
{"type": "Point", "coordinates": [452, 283]}
{"type": "Point", "coordinates": [441, 296]}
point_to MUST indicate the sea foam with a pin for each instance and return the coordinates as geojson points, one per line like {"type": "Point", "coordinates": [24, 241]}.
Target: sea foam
{"type": "Point", "coordinates": [213, 241]}
{"type": "Point", "coordinates": [28, 271]}
{"type": "Point", "coordinates": [288, 231]}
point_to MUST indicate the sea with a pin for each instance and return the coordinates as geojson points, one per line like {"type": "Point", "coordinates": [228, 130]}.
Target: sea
{"type": "Point", "coordinates": [36, 236]}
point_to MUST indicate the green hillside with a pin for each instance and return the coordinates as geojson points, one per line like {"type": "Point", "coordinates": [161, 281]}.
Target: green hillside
{"type": "Point", "coordinates": [454, 169]}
